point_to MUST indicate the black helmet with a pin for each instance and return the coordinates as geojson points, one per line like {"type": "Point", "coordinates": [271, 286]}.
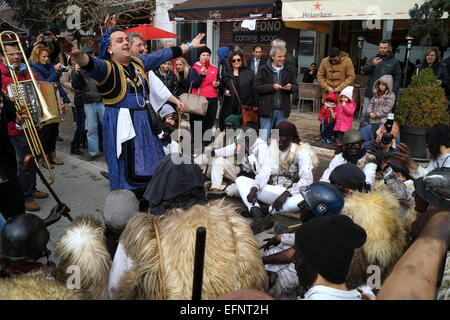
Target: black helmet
{"type": "Point", "coordinates": [434, 188]}
{"type": "Point", "coordinates": [352, 136]}
{"type": "Point", "coordinates": [323, 198]}
{"type": "Point", "coordinates": [23, 237]}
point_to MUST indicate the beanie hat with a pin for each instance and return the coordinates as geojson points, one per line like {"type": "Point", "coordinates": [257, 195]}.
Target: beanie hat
{"type": "Point", "coordinates": [348, 92]}
{"type": "Point", "coordinates": [348, 176]}
{"type": "Point", "coordinates": [235, 120]}
{"type": "Point", "coordinates": [203, 49]}
{"type": "Point", "coordinates": [328, 244]}
{"type": "Point", "coordinates": [119, 207]}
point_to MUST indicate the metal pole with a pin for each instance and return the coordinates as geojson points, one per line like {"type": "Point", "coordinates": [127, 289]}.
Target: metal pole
{"type": "Point", "coordinates": [199, 263]}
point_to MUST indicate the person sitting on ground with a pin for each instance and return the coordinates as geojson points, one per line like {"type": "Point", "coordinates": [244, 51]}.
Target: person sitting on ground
{"type": "Point", "coordinates": [383, 100]}
{"type": "Point", "coordinates": [438, 145]}
{"type": "Point", "coordinates": [159, 265]}
{"type": "Point", "coordinates": [169, 125]}
{"type": "Point", "coordinates": [324, 248]}
{"type": "Point", "coordinates": [327, 118]}
{"type": "Point", "coordinates": [352, 152]}
{"type": "Point", "coordinates": [320, 199]}
{"type": "Point", "coordinates": [376, 210]}
{"type": "Point", "coordinates": [23, 241]}
{"type": "Point", "coordinates": [291, 164]}
{"type": "Point", "coordinates": [223, 159]}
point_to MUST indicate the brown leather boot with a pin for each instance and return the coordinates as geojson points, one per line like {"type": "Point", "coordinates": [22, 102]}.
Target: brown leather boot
{"type": "Point", "coordinates": [55, 160]}
{"type": "Point", "coordinates": [32, 206]}
{"type": "Point", "coordinates": [43, 163]}
{"type": "Point", "coordinates": [40, 195]}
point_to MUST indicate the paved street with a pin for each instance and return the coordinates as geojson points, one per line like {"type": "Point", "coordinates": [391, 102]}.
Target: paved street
{"type": "Point", "coordinates": [80, 185]}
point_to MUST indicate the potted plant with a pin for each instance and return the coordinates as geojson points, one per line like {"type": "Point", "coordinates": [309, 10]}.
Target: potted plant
{"type": "Point", "coordinates": [422, 105]}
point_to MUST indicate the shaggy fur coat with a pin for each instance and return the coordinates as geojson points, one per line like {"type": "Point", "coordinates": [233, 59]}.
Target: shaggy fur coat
{"type": "Point", "coordinates": [36, 285]}
{"type": "Point", "coordinates": [377, 213]}
{"type": "Point", "coordinates": [162, 250]}
{"type": "Point", "coordinates": [83, 244]}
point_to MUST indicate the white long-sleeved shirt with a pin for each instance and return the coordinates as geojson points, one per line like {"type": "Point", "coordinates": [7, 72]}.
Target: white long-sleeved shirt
{"type": "Point", "coordinates": [369, 169]}
{"type": "Point", "coordinates": [298, 174]}
{"type": "Point", "coordinates": [442, 161]}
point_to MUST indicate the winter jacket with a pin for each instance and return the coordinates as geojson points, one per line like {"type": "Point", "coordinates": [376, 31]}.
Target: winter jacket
{"type": "Point", "coordinates": [325, 115]}
{"type": "Point", "coordinates": [268, 97]}
{"type": "Point", "coordinates": [344, 116]}
{"type": "Point", "coordinates": [170, 81]}
{"type": "Point", "coordinates": [441, 73]}
{"type": "Point", "coordinates": [47, 73]}
{"type": "Point", "coordinates": [7, 154]}
{"type": "Point", "coordinates": [87, 86]}
{"type": "Point", "coordinates": [309, 78]}
{"type": "Point", "coordinates": [388, 65]}
{"type": "Point", "coordinates": [381, 106]}
{"type": "Point", "coordinates": [183, 85]}
{"type": "Point", "coordinates": [244, 87]}
{"type": "Point", "coordinates": [22, 74]}
{"type": "Point", "coordinates": [66, 83]}
{"type": "Point", "coordinates": [203, 82]}
{"type": "Point", "coordinates": [338, 76]}
{"type": "Point", "coordinates": [377, 212]}
{"type": "Point", "coordinates": [78, 94]}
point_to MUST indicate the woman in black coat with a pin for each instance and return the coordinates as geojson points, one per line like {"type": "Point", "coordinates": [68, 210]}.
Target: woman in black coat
{"type": "Point", "coordinates": [242, 78]}
{"type": "Point", "coordinates": [431, 60]}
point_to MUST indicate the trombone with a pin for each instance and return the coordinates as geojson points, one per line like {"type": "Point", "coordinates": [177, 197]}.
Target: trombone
{"type": "Point", "coordinates": [35, 108]}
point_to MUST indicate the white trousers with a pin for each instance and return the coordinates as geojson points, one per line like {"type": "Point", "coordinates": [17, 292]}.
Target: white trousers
{"type": "Point", "coordinates": [221, 167]}
{"type": "Point", "coordinates": [267, 195]}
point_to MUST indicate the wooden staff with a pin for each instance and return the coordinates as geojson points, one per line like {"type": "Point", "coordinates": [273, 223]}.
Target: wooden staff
{"type": "Point", "coordinates": [199, 263]}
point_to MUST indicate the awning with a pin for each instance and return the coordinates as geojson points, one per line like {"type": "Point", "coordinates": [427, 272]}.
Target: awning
{"type": "Point", "coordinates": [332, 10]}
{"type": "Point", "coordinates": [222, 9]}
{"type": "Point", "coordinates": [319, 26]}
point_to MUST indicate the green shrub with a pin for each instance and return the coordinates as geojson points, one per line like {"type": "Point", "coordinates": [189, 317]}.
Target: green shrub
{"type": "Point", "coordinates": [423, 103]}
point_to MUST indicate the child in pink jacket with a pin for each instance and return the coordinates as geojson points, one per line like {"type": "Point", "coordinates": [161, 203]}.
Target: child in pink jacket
{"type": "Point", "coordinates": [344, 114]}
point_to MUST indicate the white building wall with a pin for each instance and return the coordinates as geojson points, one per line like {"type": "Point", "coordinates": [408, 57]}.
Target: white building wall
{"type": "Point", "coordinates": [161, 18]}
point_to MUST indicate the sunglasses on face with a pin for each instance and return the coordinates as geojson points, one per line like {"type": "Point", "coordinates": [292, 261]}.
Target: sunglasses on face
{"type": "Point", "coordinates": [236, 60]}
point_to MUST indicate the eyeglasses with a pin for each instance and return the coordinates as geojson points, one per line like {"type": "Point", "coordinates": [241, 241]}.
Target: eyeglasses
{"type": "Point", "coordinates": [236, 60]}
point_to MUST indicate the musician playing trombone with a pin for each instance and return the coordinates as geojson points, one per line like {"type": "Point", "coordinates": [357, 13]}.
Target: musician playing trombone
{"type": "Point", "coordinates": [27, 176]}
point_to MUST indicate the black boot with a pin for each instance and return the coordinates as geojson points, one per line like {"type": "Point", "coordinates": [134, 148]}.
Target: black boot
{"type": "Point", "coordinates": [74, 150]}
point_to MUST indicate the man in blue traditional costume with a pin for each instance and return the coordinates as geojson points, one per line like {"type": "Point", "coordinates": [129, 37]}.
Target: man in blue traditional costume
{"type": "Point", "coordinates": [132, 149]}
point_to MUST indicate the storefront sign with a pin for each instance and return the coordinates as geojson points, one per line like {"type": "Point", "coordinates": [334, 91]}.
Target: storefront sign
{"type": "Point", "coordinates": [265, 32]}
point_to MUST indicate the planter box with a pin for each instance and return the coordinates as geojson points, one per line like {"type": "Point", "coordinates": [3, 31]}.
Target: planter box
{"type": "Point", "coordinates": [414, 137]}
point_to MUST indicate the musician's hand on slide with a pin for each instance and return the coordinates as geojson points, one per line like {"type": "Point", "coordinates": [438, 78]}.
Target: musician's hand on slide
{"type": "Point", "coordinates": [20, 118]}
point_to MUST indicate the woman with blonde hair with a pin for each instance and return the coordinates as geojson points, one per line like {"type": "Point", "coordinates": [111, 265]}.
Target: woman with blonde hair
{"type": "Point", "coordinates": [48, 72]}
{"type": "Point", "coordinates": [182, 73]}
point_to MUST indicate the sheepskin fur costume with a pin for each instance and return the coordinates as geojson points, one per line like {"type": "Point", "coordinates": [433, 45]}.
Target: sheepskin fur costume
{"type": "Point", "coordinates": [162, 249]}
{"type": "Point", "coordinates": [83, 245]}
{"type": "Point", "coordinates": [377, 213]}
{"type": "Point", "coordinates": [36, 285]}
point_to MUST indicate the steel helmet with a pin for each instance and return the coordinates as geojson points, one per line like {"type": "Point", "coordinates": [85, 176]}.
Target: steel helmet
{"type": "Point", "coordinates": [434, 188]}
{"type": "Point", "coordinates": [323, 198]}
{"type": "Point", "coordinates": [352, 136]}
{"type": "Point", "coordinates": [24, 236]}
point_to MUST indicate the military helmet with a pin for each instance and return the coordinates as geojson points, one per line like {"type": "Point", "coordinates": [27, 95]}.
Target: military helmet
{"type": "Point", "coordinates": [353, 136]}
{"type": "Point", "coordinates": [23, 237]}
{"type": "Point", "coordinates": [324, 199]}
{"type": "Point", "coordinates": [434, 188]}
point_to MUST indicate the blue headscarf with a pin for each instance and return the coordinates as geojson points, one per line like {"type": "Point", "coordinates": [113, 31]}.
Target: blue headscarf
{"type": "Point", "coordinates": [103, 52]}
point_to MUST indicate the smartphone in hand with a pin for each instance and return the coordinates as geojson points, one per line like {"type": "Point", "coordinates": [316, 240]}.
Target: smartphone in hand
{"type": "Point", "coordinates": [207, 63]}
